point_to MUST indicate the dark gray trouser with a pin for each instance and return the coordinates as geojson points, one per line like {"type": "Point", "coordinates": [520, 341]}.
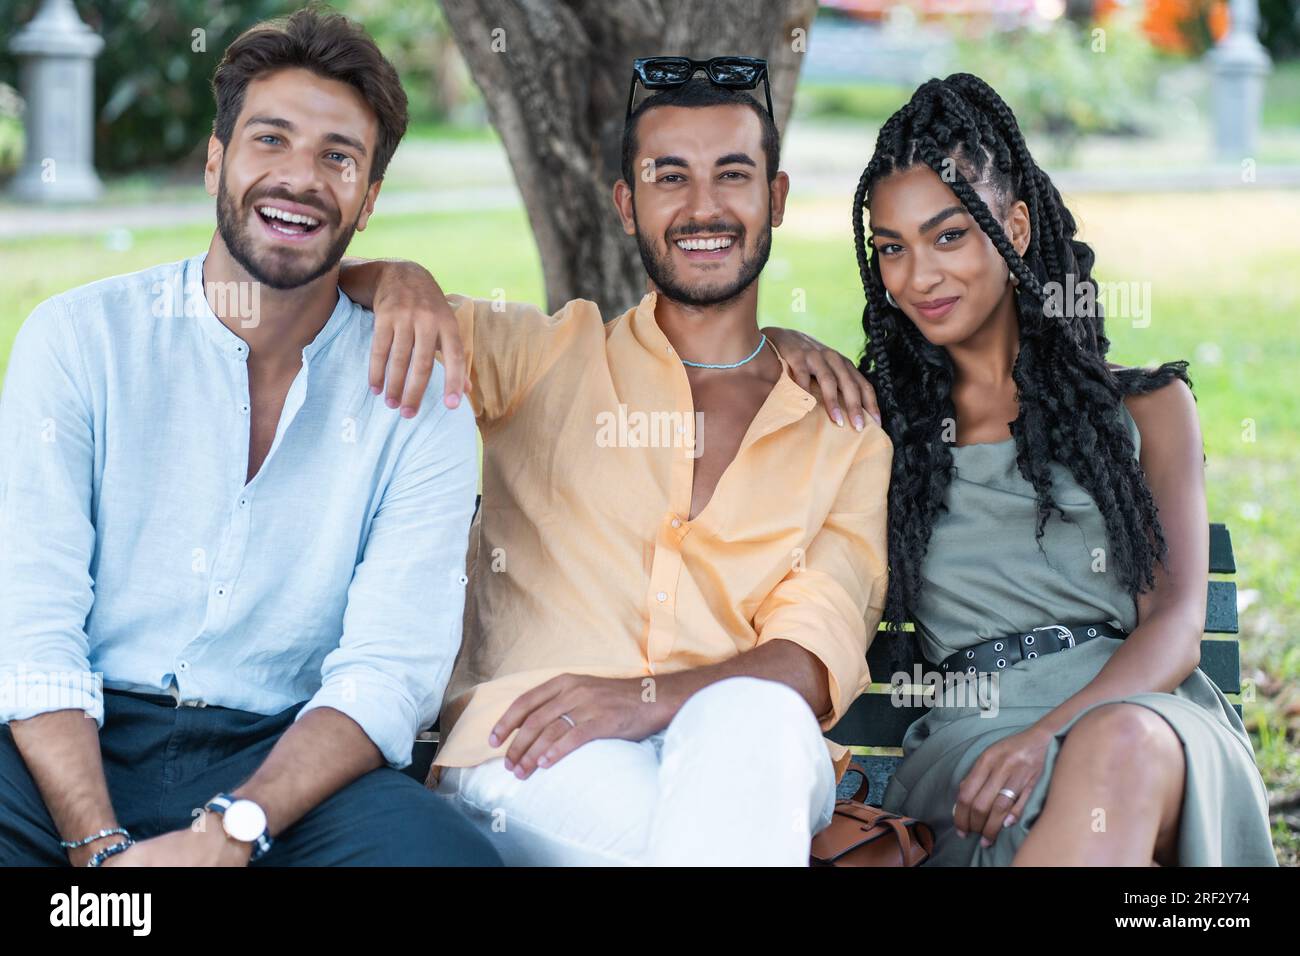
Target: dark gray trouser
{"type": "Point", "coordinates": [164, 762]}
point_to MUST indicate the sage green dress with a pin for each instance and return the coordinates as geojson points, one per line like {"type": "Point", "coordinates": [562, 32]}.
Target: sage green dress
{"type": "Point", "coordinates": [984, 576]}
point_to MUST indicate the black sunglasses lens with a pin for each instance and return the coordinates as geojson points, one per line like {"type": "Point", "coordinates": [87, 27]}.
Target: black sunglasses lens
{"type": "Point", "coordinates": [665, 70]}
{"type": "Point", "coordinates": [735, 71]}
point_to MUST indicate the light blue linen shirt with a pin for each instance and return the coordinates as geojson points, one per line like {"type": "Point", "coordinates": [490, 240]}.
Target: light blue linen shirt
{"type": "Point", "coordinates": [134, 554]}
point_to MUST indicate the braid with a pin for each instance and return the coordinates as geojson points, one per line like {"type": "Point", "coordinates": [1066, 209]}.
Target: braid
{"type": "Point", "coordinates": [1070, 401]}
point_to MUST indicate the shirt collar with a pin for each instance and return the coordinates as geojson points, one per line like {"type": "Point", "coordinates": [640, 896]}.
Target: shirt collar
{"type": "Point", "coordinates": [224, 338]}
{"type": "Point", "coordinates": [787, 400]}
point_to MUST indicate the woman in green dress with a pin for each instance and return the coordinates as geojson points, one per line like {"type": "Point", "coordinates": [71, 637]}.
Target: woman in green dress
{"type": "Point", "coordinates": [1047, 522]}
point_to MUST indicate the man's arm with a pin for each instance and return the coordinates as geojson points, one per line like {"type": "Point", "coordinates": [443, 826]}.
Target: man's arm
{"type": "Point", "coordinates": [832, 600]}
{"type": "Point", "coordinates": [633, 708]}
{"type": "Point", "coordinates": [61, 750]}
{"type": "Point", "coordinates": [47, 537]}
{"type": "Point", "coordinates": [814, 629]}
{"type": "Point", "coordinates": [414, 321]}
{"type": "Point", "coordinates": [402, 624]}
{"type": "Point", "coordinates": [314, 758]}
{"type": "Point", "coordinates": [501, 347]}
{"type": "Point", "coordinates": [401, 633]}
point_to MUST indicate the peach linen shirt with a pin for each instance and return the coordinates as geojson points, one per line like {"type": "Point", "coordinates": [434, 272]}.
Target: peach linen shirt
{"type": "Point", "coordinates": [581, 558]}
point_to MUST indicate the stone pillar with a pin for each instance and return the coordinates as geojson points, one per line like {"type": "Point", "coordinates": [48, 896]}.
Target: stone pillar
{"type": "Point", "coordinates": [1239, 63]}
{"type": "Point", "coordinates": [58, 82]}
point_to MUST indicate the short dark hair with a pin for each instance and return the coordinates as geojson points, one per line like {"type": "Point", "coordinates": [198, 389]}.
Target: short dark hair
{"type": "Point", "coordinates": [329, 45]}
{"type": "Point", "coordinates": [696, 93]}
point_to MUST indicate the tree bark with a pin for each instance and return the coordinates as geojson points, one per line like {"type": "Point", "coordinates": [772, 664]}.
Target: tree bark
{"type": "Point", "coordinates": [555, 74]}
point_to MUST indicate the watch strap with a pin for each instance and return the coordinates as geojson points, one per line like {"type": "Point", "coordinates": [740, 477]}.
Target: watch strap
{"type": "Point", "coordinates": [261, 843]}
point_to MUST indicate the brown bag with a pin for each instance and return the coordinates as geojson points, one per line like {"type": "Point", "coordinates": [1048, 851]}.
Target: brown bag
{"type": "Point", "coordinates": [860, 835]}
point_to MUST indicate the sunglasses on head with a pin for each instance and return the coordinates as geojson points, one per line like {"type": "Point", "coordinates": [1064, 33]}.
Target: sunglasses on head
{"type": "Point", "coordinates": [732, 72]}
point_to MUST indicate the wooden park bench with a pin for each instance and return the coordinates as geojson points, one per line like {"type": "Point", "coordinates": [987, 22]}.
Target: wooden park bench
{"type": "Point", "coordinates": [874, 727]}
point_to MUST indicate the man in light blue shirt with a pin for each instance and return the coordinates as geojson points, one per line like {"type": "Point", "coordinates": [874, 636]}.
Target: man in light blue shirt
{"type": "Point", "coordinates": [215, 539]}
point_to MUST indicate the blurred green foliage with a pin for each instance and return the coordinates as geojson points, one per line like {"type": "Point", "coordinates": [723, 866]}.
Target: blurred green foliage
{"type": "Point", "coordinates": [1069, 81]}
{"type": "Point", "coordinates": [153, 94]}
{"type": "Point", "coordinates": [11, 130]}
{"type": "Point", "coordinates": [152, 80]}
{"type": "Point", "coordinates": [1280, 27]}
{"type": "Point", "coordinates": [418, 42]}
{"type": "Point", "coordinates": [874, 102]}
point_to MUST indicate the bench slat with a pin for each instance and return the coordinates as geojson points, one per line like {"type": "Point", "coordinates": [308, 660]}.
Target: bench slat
{"type": "Point", "coordinates": [1221, 559]}
{"type": "Point", "coordinates": [1221, 662]}
{"type": "Point", "coordinates": [879, 769]}
{"type": "Point", "coordinates": [873, 720]}
{"type": "Point", "coordinates": [1221, 608]}
{"type": "Point", "coordinates": [421, 759]}
{"type": "Point", "coordinates": [890, 653]}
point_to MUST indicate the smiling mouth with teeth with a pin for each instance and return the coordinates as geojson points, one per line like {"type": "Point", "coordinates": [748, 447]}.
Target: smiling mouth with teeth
{"type": "Point", "coordinates": [703, 244]}
{"type": "Point", "coordinates": [289, 223]}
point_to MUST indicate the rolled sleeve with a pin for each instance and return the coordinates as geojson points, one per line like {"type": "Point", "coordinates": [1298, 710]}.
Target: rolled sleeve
{"type": "Point", "coordinates": [832, 600]}
{"type": "Point", "coordinates": [382, 707]}
{"type": "Point", "coordinates": [402, 624]}
{"type": "Point", "coordinates": [47, 535]}
{"type": "Point", "coordinates": [509, 346]}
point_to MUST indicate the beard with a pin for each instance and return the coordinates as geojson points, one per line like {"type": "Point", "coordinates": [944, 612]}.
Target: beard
{"type": "Point", "coordinates": [663, 272]}
{"type": "Point", "coordinates": [276, 268]}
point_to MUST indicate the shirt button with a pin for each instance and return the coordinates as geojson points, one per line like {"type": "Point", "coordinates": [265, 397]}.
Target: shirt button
{"type": "Point", "coordinates": [662, 596]}
{"type": "Point", "coordinates": [244, 408]}
{"type": "Point", "coordinates": [221, 592]}
{"type": "Point", "coordinates": [183, 666]}
{"type": "Point", "coordinates": [243, 502]}
{"type": "Point", "coordinates": [677, 522]}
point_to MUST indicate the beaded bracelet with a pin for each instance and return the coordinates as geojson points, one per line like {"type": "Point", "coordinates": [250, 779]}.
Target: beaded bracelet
{"type": "Point", "coordinates": [93, 837]}
{"type": "Point", "coordinates": [113, 850]}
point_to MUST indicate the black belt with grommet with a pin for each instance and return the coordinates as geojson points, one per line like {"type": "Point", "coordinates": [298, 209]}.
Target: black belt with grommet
{"type": "Point", "coordinates": [999, 653]}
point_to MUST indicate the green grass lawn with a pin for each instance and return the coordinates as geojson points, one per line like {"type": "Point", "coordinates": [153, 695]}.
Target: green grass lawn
{"type": "Point", "coordinates": [1221, 269]}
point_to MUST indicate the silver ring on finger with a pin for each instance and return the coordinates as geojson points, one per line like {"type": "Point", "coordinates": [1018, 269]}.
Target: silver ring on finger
{"type": "Point", "coordinates": [1008, 793]}
{"type": "Point", "coordinates": [568, 720]}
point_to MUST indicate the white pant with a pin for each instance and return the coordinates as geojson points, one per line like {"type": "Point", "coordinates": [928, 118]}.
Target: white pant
{"type": "Point", "coordinates": [741, 777]}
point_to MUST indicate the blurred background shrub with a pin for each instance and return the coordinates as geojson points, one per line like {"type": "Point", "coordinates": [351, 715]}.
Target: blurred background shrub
{"type": "Point", "coordinates": [152, 80]}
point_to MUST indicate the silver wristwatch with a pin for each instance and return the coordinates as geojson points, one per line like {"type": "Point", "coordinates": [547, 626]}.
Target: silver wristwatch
{"type": "Point", "coordinates": [243, 820]}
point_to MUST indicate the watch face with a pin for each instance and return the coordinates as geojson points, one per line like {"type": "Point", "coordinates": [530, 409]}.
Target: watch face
{"type": "Point", "coordinates": [244, 820]}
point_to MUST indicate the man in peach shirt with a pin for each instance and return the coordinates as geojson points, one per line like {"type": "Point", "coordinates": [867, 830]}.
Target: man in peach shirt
{"type": "Point", "coordinates": [679, 563]}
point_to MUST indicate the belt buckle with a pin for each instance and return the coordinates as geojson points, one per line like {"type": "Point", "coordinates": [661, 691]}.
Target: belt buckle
{"type": "Point", "coordinates": [1065, 634]}
{"type": "Point", "coordinates": [175, 693]}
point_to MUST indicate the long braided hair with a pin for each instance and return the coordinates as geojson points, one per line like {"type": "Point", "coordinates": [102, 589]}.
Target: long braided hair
{"type": "Point", "coordinates": [1069, 400]}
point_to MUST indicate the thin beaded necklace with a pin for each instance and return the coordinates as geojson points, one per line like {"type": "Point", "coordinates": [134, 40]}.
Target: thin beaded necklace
{"type": "Point", "coordinates": [752, 355]}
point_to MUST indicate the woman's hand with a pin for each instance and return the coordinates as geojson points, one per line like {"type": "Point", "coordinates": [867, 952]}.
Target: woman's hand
{"type": "Point", "coordinates": [842, 386]}
{"type": "Point", "coordinates": [1014, 763]}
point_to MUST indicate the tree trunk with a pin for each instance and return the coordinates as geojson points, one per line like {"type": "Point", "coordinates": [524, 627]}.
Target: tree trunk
{"type": "Point", "coordinates": [555, 74]}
